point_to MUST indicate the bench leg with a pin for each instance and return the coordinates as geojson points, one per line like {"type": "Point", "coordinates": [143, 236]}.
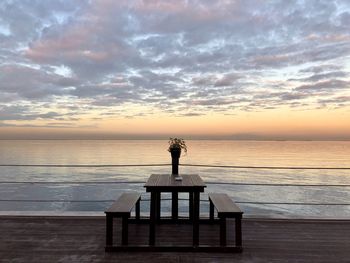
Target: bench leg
{"type": "Point", "coordinates": [152, 224]}
{"type": "Point", "coordinates": [124, 231]}
{"type": "Point", "coordinates": [191, 200]}
{"type": "Point", "coordinates": [109, 231]}
{"type": "Point", "coordinates": [211, 211]}
{"type": "Point", "coordinates": [223, 231]}
{"type": "Point", "coordinates": [238, 225]}
{"type": "Point", "coordinates": [196, 219]}
{"type": "Point", "coordinates": [137, 210]}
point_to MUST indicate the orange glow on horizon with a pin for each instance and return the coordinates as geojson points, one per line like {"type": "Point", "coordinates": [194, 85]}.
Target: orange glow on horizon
{"type": "Point", "coordinates": [271, 124]}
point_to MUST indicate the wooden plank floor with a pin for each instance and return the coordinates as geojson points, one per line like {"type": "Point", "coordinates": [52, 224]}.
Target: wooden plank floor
{"type": "Point", "coordinates": [54, 239]}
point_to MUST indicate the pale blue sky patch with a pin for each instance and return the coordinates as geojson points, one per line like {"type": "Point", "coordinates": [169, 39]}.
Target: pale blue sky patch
{"type": "Point", "coordinates": [63, 70]}
{"type": "Point", "coordinates": [5, 30]}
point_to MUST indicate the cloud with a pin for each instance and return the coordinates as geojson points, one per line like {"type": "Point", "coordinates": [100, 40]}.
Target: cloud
{"type": "Point", "coordinates": [32, 83]}
{"type": "Point", "coordinates": [328, 86]}
{"type": "Point", "coordinates": [24, 113]}
{"type": "Point", "coordinates": [340, 101]}
{"type": "Point", "coordinates": [321, 76]}
{"type": "Point", "coordinates": [226, 80]}
{"type": "Point", "coordinates": [191, 114]}
{"type": "Point", "coordinates": [29, 113]}
{"type": "Point", "coordinates": [320, 69]}
{"type": "Point", "coordinates": [170, 55]}
{"type": "Point", "coordinates": [47, 125]}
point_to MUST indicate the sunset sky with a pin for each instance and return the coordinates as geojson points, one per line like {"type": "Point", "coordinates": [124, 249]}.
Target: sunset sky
{"type": "Point", "coordinates": [110, 69]}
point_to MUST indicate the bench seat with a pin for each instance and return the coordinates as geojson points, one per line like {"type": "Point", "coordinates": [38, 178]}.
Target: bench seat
{"type": "Point", "coordinates": [122, 208]}
{"type": "Point", "coordinates": [226, 208]}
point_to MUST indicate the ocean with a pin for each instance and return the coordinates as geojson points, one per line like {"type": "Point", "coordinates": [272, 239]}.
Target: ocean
{"type": "Point", "coordinates": [84, 178]}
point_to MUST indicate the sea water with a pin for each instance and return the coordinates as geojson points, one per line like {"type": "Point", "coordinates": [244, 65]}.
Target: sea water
{"type": "Point", "coordinates": [86, 180]}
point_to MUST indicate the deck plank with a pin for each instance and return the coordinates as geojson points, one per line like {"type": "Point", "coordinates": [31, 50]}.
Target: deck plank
{"type": "Point", "coordinates": [54, 239]}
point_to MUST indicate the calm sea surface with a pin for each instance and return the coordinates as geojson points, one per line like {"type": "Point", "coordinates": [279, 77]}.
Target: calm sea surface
{"type": "Point", "coordinates": [46, 188]}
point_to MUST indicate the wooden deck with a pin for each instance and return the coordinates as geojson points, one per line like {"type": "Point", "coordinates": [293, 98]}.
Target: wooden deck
{"type": "Point", "coordinates": [74, 239]}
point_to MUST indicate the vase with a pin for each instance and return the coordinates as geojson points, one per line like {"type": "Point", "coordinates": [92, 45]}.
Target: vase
{"type": "Point", "coordinates": [175, 156]}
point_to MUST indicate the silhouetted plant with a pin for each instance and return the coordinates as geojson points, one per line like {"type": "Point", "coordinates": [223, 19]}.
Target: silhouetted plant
{"type": "Point", "coordinates": [177, 143]}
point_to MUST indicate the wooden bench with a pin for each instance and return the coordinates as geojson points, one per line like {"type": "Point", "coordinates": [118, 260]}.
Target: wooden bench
{"type": "Point", "coordinates": [226, 208]}
{"type": "Point", "coordinates": [122, 208]}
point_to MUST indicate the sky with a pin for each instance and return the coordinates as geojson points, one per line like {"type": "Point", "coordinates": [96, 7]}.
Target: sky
{"type": "Point", "coordinates": [106, 69]}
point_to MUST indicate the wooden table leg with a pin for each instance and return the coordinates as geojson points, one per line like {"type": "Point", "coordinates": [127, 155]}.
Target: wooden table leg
{"type": "Point", "coordinates": [158, 209]}
{"type": "Point", "coordinates": [137, 210]}
{"type": "Point", "coordinates": [196, 219]}
{"type": "Point", "coordinates": [152, 224]}
{"type": "Point", "coordinates": [211, 211]}
{"type": "Point", "coordinates": [175, 205]}
{"type": "Point", "coordinates": [190, 198]}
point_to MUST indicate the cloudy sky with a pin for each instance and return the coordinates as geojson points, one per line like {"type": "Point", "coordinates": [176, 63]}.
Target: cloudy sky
{"type": "Point", "coordinates": [199, 69]}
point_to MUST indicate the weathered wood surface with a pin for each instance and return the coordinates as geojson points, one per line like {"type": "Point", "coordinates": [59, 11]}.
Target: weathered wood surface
{"type": "Point", "coordinates": [40, 239]}
{"type": "Point", "coordinates": [125, 203]}
{"type": "Point", "coordinates": [167, 183]}
{"type": "Point", "coordinates": [224, 204]}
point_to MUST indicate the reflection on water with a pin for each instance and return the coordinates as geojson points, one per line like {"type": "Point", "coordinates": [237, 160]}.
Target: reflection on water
{"type": "Point", "coordinates": [248, 153]}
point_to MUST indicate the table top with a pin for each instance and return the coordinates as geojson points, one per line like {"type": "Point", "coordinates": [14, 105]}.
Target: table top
{"type": "Point", "coordinates": [167, 182]}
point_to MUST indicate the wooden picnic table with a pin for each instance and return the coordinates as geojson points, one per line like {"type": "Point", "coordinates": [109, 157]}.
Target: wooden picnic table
{"type": "Point", "coordinates": [158, 183]}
